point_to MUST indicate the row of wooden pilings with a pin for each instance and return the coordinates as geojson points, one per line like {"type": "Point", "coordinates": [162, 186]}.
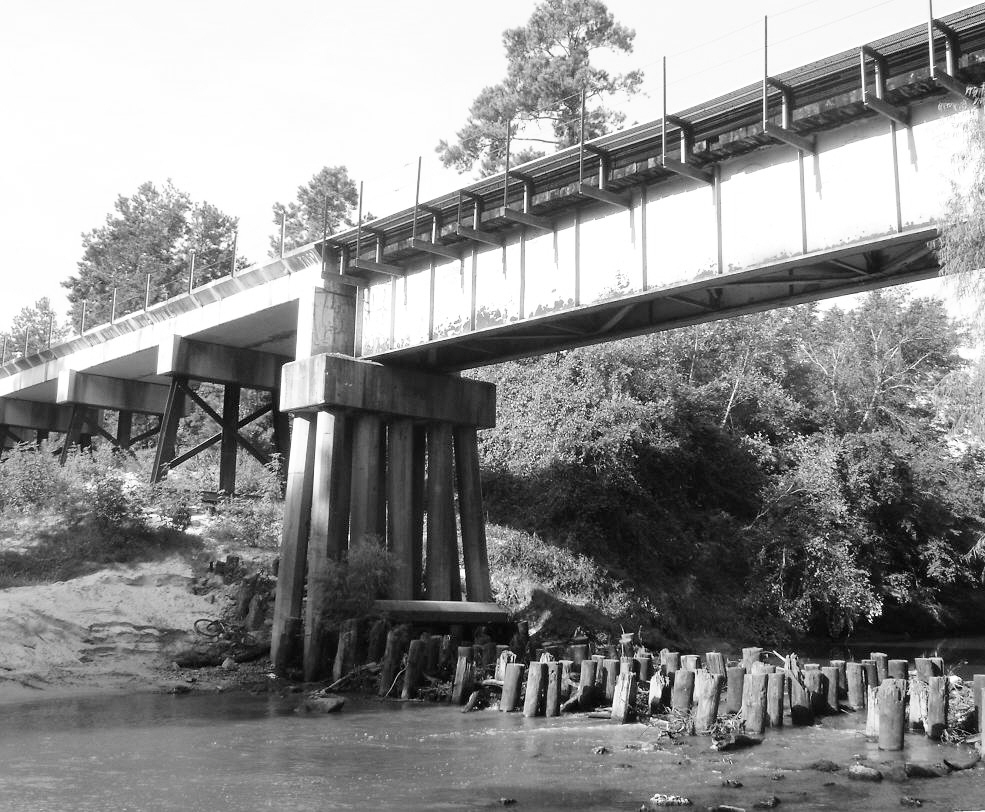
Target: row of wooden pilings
{"type": "Point", "coordinates": [563, 679]}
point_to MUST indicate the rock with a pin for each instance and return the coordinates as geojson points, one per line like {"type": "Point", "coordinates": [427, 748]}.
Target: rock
{"type": "Point", "coordinates": [767, 803]}
{"type": "Point", "coordinates": [963, 763]}
{"type": "Point", "coordinates": [859, 772]}
{"type": "Point", "coordinates": [824, 766]}
{"type": "Point", "coordinates": [914, 770]}
{"type": "Point", "coordinates": [896, 774]}
{"type": "Point", "coordinates": [906, 800]}
{"type": "Point", "coordinates": [601, 750]}
{"type": "Point", "coordinates": [738, 742]}
{"type": "Point", "coordinates": [322, 703]}
{"type": "Point", "coordinates": [229, 664]}
{"type": "Point", "coordinates": [199, 657]}
{"type": "Point", "coordinates": [659, 800]}
{"type": "Point", "coordinates": [731, 782]}
{"type": "Point", "coordinates": [726, 808]}
{"type": "Point", "coordinates": [176, 688]}
{"type": "Point", "coordinates": [507, 801]}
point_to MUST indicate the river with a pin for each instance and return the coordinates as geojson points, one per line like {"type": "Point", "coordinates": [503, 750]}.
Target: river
{"type": "Point", "coordinates": [231, 751]}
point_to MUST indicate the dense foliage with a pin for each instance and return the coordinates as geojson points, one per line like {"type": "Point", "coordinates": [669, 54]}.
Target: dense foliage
{"type": "Point", "coordinates": [793, 464]}
{"type": "Point", "coordinates": [322, 206]}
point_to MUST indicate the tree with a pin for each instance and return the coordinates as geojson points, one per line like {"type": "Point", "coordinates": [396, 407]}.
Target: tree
{"type": "Point", "coordinates": [153, 232]}
{"type": "Point", "coordinates": [323, 204]}
{"type": "Point", "coordinates": [29, 330]}
{"type": "Point", "coordinates": [548, 67]}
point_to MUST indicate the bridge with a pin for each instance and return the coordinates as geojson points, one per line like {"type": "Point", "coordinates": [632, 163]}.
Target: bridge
{"type": "Point", "coordinates": [826, 180]}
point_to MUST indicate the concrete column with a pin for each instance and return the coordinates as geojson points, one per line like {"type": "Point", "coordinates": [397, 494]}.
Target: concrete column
{"type": "Point", "coordinates": [229, 445]}
{"type": "Point", "coordinates": [368, 487]}
{"type": "Point", "coordinates": [329, 529]}
{"type": "Point", "coordinates": [443, 581]}
{"type": "Point", "coordinates": [477, 585]}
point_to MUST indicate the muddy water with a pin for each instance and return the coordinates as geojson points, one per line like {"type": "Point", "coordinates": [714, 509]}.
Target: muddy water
{"type": "Point", "coordinates": [235, 752]}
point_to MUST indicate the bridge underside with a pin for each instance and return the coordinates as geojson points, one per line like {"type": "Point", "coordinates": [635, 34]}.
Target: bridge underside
{"type": "Point", "coordinates": [909, 256]}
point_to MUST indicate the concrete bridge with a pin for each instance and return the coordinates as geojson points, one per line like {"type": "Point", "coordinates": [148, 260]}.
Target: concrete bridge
{"type": "Point", "coordinates": [826, 180]}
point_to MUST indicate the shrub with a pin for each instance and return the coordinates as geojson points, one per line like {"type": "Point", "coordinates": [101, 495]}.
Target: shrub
{"type": "Point", "coordinates": [351, 585]}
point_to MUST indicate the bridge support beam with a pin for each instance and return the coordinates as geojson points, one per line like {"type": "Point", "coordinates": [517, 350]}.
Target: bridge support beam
{"type": "Point", "coordinates": [397, 417]}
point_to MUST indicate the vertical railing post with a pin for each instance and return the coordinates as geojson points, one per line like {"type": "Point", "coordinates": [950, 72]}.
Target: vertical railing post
{"type": "Point", "coordinates": [147, 293]}
{"type": "Point", "coordinates": [191, 272]}
{"type": "Point", "coordinates": [232, 270]}
{"type": "Point", "coordinates": [283, 230]}
{"type": "Point", "coordinates": [27, 340]}
{"type": "Point", "coordinates": [3, 352]}
{"type": "Point", "coordinates": [112, 309]}
{"type": "Point", "coordinates": [82, 325]}
{"type": "Point", "coordinates": [51, 328]}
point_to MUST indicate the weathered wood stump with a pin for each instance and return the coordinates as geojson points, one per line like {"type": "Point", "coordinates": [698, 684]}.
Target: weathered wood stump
{"type": "Point", "coordinates": [855, 678]}
{"type": "Point", "coordinates": [624, 700]}
{"type": "Point", "coordinates": [814, 685]}
{"type": "Point", "coordinates": [734, 679]}
{"type": "Point", "coordinates": [935, 721]}
{"type": "Point", "coordinates": [578, 653]}
{"type": "Point", "coordinates": [347, 653]}
{"type": "Point", "coordinates": [871, 673]}
{"type": "Point", "coordinates": [749, 656]}
{"type": "Point", "coordinates": [715, 662]}
{"type": "Point", "coordinates": [566, 680]}
{"type": "Point", "coordinates": [464, 681]}
{"type": "Point", "coordinates": [892, 703]}
{"type": "Point", "coordinates": [609, 675]}
{"type": "Point", "coordinates": [536, 694]}
{"type": "Point", "coordinates": [512, 678]}
{"type": "Point", "coordinates": [872, 711]}
{"type": "Point", "coordinates": [842, 677]}
{"type": "Point", "coordinates": [414, 673]}
{"type": "Point", "coordinates": [754, 703]}
{"type": "Point", "coordinates": [707, 694]}
{"type": "Point", "coordinates": [801, 707]}
{"type": "Point", "coordinates": [832, 677]}
{"type": "Point", "coordinates": [671, 660]}
{"type": "Point", "coordinates": [682, 692]}
{"type": "Point", "coordinates": [691, 662]}
{"type": "Point", "coordinates": [898, 669]}
{"type": "Point", "coordinates": [393, 655]}
{"type": "Point", "coordinates": [776, 689]}
{"type": "Point", "coordinates": [882, 666]}
{"type": "Point", "coordinates": [644, 668]}
{"type": "Point", "coordinates": [587, 691]}
{"type": "Point", "coordinates": [553, 695]}
{"type": "Point", "coordinates": [376, 643]}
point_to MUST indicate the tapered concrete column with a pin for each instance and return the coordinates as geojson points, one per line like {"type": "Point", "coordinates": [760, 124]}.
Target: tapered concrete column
{"type": "Point", "coordinates": [443, 582]}
{"type": "Point", "coordinates": [477, 586]}
{"type": "Point", "coordinates": [368, 486]}
{"type": "Point", "coordinates": [228, 444]}
{"type": "Point", "coordinates": [294, 541]}
{"type": "Point", "coordinates": [329, 530]}
{"type": "Point", "coordinates": [405, 506]}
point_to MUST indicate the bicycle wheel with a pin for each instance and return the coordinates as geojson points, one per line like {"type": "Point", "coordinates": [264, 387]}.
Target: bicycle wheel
{"type": "Point", "coordinates": [207, 627]}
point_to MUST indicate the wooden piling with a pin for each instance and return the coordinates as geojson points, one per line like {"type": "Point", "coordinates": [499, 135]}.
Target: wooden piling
{"type": "Point", "coordinates": [882, 666]}
{"type": "Point", "coordinates": [814, 685]}
{"type": "Point", "coordinates": [691, 662]}
{"type": "Point", "coordinates": [464, 680]}
{"type": "Point", "coordinates": [754, 703]}
{"type": "Point", "coordinates": [489, 652]}
{"type": "Point", "coordinates": [552, 702]}
{"type": "Point", "coordinates": [534, 698]}
{"type": "Point", "coordinates": [898, 669]}
{"type": "Point", "coordinates": [624, 700]}
{"type": "Point", "coordinates": [927, 667]}
{"type": "Point", "coordinates": [504, 659]}
{"type": "Point", "coordinates": [776, 688]}
{"type": "Point", "coordinates": [734, 678]}
{"type": "Point", "coordinates": [872, 711]}
{"type": "Point", "coordinates": [414, 673]}
{"type": "Point", "coordinates": [892, 703]}
{"type": "Point", "coordinates": [801, 707]}
{"type": "Point", "coordinates": [512, 677]}
{"type": "Point", "coordinates": [832, 679]}
{"type": "Point", "coordinates": [750, 656]}
{"type": "Point", "coordinates": [917, 697]}
{"type": "Point", "coordinates": [376, 644]}
{"type": "Point", "coordinates": [672, 661]}
{"type": "Point", "coordinates": [609, 675]}
{"type": "Point", "coordinates": [978, 686]}
{"type": "Point", "coordinates": [682, 693]}
{"type": "Point", "coordinates": [396, 642]}
{"type": "Point", "coordinates": [656, 692]}
{"type": "Point", "coordinates": [629, 664]}
{"type": "Point", "coordinates": [587, 691]}
{"type": "Point", "coordinates": [432, 659]}
{"type": "Point", "coordinates": [762, 668]}
{"type": "Point", "coordinates": [871, 674]}
{"type": "Point", "coordinates": [855, 678]}
{"type": "Point", "coordinates": [644, 668]}
{"type": "Point", "coordinates": [707, 693]}
{"type": "Point", "coordinates": [346, 655]}
{"type": "Point", "coordinates": [842, 677]}
{"type": "Point", "coordinates": [566, 680]}
{"type": "Point", "coordinates": [935, 721]}
{"type": "Point", "coordinates": [715, 663]}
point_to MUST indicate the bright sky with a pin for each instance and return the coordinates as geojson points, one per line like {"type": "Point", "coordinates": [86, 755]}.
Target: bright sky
{"type": "Point", "coordinates": [239, 102]}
